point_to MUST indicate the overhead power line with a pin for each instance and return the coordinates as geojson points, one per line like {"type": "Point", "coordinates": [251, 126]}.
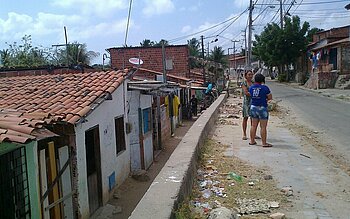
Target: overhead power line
{"type": "Point", "coordinates": [310, 3]}
{"type": "Point", "coordinates": [209, 28]}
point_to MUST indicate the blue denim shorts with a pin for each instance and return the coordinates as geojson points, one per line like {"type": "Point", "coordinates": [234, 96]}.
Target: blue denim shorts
{"type": "Point", "coordinates": [259, 112]}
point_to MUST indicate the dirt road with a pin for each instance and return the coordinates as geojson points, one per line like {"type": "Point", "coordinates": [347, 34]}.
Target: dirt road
{"type": "Point", "coordinates": [320, 187]}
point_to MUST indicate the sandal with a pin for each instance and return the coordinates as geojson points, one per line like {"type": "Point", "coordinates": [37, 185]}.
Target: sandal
{"type": "Point", "coordinates": [244, 138]}
{"type": "Point", "coordinates": [267, 145]}
{"type": "Point", "coordinates": [254, 143]}
{"type": "Point", "coordinates": [257, 137]}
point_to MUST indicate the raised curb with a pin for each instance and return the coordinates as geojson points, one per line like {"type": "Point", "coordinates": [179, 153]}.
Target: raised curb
{"type": "Point", "coordinates": [174, 181]}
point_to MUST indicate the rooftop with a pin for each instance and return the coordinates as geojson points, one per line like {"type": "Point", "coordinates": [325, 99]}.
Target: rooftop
{"type": "Point", "coordinates": [32, 101]}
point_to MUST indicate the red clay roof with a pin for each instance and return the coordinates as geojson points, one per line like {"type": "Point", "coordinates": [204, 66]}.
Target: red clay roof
{"type": "Point", "coordinates": [27, 101]}
{"type": "Point", "coordinates": [23, 127]}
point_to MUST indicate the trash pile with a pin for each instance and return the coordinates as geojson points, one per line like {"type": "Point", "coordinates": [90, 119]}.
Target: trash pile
{"type": "Point", "coordinates": [228, 114]}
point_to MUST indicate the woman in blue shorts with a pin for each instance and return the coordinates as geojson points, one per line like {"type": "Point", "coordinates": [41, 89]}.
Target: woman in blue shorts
{"type": "Point", "coordinates": [259, 94]}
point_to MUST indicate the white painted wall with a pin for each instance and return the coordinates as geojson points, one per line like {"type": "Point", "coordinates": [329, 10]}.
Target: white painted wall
{"type": "Point", "coordinates": [137, 100]}
{"type": "Point", "coordinates": [103, 116]}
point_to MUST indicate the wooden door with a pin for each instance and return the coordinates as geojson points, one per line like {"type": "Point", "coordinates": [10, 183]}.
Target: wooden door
{"type": "Point", "coordinates": [93, 165]}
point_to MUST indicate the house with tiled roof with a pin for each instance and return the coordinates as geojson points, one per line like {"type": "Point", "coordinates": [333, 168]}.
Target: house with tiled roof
{"type": "Point", "coordinates": [69, 131]}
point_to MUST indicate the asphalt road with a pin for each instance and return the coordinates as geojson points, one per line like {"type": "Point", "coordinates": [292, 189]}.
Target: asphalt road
{"type": "Point", "coordinates": [328, 116]}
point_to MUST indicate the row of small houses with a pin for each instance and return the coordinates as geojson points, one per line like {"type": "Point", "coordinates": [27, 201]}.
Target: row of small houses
{"type": "Point", "coordinates": [69, 138]}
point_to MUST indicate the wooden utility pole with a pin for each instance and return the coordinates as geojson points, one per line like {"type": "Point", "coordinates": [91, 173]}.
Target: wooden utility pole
{"type": "Point", "coordinates": [202, 42]}
{"type": "Point", "coordinates": [281, 14]}
{"type": "Point", "coordinates": [250, 24]}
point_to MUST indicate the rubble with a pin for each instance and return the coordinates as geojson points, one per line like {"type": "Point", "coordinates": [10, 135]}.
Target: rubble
{"type": "Point", "coordinates": [278, 215]}
{"type": "Point", "coordinates": [288, 191]}
{"type": "Point", "coordinates": [222, 213]}
{"type": "Point", "coordinates": [251, 206]}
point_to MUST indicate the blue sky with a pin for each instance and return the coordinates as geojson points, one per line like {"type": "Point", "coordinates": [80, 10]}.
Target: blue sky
{"type": "Point", "coordinates": [101, 24]}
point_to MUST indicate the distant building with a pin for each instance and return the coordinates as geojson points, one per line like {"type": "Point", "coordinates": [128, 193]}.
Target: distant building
{"type": "Point", "coordinates": [176, 58]}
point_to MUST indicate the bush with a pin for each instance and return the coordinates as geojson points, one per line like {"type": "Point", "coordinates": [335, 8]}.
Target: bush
{"type": "Point", "coordinates": [282, 77]}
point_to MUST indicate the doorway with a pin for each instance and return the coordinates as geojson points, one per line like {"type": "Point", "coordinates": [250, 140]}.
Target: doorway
{"type": "Point", "coordinates": [93, 167]}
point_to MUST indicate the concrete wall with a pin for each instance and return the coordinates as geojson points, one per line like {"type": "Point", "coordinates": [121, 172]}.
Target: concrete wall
{"type": "Point", "coordinates": [103, 116]}
{"type": "Point", "coordinates": [321, 80]}
{"type": "Point", "coordinates": [137, 100]}
{"type": "Point", "coordinates": [174, 182]}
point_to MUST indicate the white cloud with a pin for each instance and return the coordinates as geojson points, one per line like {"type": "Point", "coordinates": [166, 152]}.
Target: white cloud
{"type": "Point", "coordinates": [154, 7]}
{"type": "Point", "coordinates": [102, 29]}
{"type": "Point", "coordinates": [186, 29]}
{"type": "Point", "coordinates": [100, 8]}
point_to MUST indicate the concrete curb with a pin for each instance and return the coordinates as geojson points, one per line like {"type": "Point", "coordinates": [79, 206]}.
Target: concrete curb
{"type": "Point", "coordinates": [174, 181]}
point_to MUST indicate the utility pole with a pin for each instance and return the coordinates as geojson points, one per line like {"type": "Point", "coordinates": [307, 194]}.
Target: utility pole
{"type": "Point", "coordinates": [202, 39]}
{"type": "Point", "coordinates": [234, 53]}
{"type": "Point", "coordinates": [281, 14]}
{"type": "Point", "coordinates": [164, 63]}
{"type": "Point", "coordinates": [250, 24]}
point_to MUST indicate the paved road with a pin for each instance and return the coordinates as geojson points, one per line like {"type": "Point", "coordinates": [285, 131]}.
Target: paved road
{"type": "Point", "coordinates": [330, 116]}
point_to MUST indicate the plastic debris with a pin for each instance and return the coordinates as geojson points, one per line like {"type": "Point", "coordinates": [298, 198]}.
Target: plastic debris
{"type": "Point", "coordinates": [232, 175]}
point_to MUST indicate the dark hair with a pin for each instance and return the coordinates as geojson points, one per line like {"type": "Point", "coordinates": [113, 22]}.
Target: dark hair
{"type": "Point", "coordinates": [245, 73]}
{"type": "Point", "coordinates": [259, 78]}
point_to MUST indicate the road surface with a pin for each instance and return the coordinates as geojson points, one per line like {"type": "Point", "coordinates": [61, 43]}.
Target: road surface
{"type": "Point", "coordinates": [330, 117]}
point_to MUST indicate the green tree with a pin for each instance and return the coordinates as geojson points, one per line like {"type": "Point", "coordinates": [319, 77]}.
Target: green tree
{"type": "Point", "coordinates": [161, 42]}
{"type": "Point", "coordinates": [281, 47]}
{"type": "Point", "coordinates": [74, 54]}
{"type": "Point", "coordinates": [194, 51]}
{"type": "Point", "coordinates": [218, 55]}
{"type": "Point", "coordinates": [147, 43]}
{"type": "Point", "coordinates": [23, 54]}
{"type": "Point", "coordinates": [311, 32]}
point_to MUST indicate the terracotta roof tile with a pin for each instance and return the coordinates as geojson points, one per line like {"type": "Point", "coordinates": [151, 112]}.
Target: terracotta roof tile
{"type": "Point", "coordinates": [59, 95]}
{"type": "Point", "coordinates": [28, 103]}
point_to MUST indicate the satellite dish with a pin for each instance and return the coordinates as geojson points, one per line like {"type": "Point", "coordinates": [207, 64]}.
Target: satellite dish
{"type": "Point", "coordinates": [136, 61]}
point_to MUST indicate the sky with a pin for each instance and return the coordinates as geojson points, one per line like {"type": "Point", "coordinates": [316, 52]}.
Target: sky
{"type": "Point", "coordinates": [101, 24]}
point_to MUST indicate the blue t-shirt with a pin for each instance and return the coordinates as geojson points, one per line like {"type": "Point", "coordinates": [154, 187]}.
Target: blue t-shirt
{"type": "Point", "coordinates": [258, 94]}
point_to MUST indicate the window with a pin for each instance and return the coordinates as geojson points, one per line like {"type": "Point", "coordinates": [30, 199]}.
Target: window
{"type": "Point", "coordinates": [119, 134]}
{"type": "Point", "coordinates": [146, 118]}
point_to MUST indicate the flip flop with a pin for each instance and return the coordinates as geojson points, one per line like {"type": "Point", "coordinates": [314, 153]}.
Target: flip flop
{"type": "Point", "coordinates": [244, 138]}
{"type": "Point", "coordinates": [257, 137]}
{"type": "Point", "coordinates": [252, 143]}
{"type": "Point", "coordinates": [267, 145]}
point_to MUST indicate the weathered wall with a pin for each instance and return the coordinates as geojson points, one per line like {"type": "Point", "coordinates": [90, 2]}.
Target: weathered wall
{"type": "Point", "coordinates": [175, 180]}
{"type": "Point", "coordinates": [345, 59]}
{"type": "Point", "coordinates": [103, 116]}
{"type": "Point", "coordinates": [152, 58]}
{"type": "Point", "coordinates": [136, 101]}
{"type": "Point", "coordinates": [321, 80]}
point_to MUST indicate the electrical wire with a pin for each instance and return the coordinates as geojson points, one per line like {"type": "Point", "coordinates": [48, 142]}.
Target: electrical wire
{"type": "Point", "coordinates": [314, 3]}
{"type": "Point", "coordinates": [209, 28]}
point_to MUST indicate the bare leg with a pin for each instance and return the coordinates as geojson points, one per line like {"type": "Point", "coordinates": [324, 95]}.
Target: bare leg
{"type": "Point", "coordinates": [263, 131]}
{"type": "Point", "coordinates": [244, 126]}
{"type": "Point", "coordinates": [255, 123]}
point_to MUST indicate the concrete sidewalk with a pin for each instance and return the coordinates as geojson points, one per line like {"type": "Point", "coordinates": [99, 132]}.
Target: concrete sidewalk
{"type": "Point", "coordinates": [321, 190]}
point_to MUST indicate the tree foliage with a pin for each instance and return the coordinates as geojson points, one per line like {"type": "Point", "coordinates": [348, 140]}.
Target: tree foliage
{"type": "Point", "coordinates": [23, 54]}
{"type": "Point", "coordinates": [75, 54]}
{"type": "Point", "coordinates": [281, 47]}
{"type": "Point", "coordinates": [194, 51]}
{"type": "Point", "coordinates": [149, 43]}
{"type": "Point", "coordinates": [218, 55]}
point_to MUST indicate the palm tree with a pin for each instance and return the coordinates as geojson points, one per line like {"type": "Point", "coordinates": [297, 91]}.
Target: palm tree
{"type": "Point", "coordinates": [218, 57]}
{"type": "Point", "coordinates": [76, 53]}
{"type": "Point", "coordinates": [193, 46]}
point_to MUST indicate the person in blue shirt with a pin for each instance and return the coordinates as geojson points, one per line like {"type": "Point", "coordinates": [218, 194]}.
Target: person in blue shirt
{"type": "Point", "coordinates": [259, 94]}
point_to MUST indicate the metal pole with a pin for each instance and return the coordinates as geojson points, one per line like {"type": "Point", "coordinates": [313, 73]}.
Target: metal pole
{"type": "Point", "coordinates": [202, 39]}
{"type": "Point", "coordinates": [251, 7]}
{"type": "Point", "coordinates": [65, 35]}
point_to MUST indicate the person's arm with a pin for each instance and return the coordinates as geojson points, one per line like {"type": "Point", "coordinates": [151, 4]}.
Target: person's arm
{"type": "Point", "coordinates": [269, 96]}
{"type": "Point", "coordinates": [245, 90]}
